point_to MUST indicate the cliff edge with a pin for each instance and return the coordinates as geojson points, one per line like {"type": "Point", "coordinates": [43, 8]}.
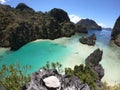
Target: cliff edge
{"type": "Point", "coordinates": [116, 32]}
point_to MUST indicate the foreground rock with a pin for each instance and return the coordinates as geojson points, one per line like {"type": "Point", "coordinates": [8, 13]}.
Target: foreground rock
{"type": "Point", "coordinates": [89, 24]}
{"type": "Point", "coordinates": [88, 40]}
{"type": "Point", "coordinates": [116, 32]}
{"type": "Point", "coordinates": [51, 80]}
{"type": "Point", "coordinates": [93, 61]}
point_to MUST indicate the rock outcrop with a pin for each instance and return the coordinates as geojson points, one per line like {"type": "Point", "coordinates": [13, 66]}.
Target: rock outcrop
{"type": "Point", "coordinates": [116, 32]}
{"type": "Point", "coordinates": [22, 24]}
{"type": "Point", "coordinates": [52, 82]}
{"type": "Point", "coordinates": [89, 24]}
{"type": "Point", "coordinates": [49, 79]}
{"type": "Point", "coordinates": [23, 7]}
{"type": "Point", "coordinates": [88, 40]}
{"type": "Point", "coordinates": [59, 15]}
{"type": "Point", "coordinates": [93, 61]}
{"type": "Point", "coordinates": [43, 80]}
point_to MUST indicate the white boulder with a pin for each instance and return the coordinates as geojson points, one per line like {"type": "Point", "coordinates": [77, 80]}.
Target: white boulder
{"type": "Point", "coordinates": [52, 82]}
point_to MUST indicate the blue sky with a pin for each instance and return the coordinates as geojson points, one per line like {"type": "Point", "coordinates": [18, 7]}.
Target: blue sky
{"type": "Point", "coordinates": [104, 12]}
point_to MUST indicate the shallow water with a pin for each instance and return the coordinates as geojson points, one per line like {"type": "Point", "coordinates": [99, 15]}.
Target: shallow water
{"type": "Point", "coordinates": [36, 54]}
{"type": "Point", "coordinates": [69, 52]}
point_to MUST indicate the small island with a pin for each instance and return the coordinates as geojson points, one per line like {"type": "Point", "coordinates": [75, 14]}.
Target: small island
{"type": "Point", "coordinates": [89, 24]}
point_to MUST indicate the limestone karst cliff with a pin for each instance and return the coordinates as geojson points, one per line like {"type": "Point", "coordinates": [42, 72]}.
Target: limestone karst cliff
{"type": "Point", "coordinates": [116, 32]}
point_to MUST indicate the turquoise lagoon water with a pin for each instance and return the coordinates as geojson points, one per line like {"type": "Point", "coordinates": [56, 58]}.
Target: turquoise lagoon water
{"type": "Point", "coordinates": [35, 54]}
{"type": "Point", "coordinates": [69, 52]}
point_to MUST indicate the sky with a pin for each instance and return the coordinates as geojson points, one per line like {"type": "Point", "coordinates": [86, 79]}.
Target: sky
{"type": "Point", "coordinates": [104, 12]}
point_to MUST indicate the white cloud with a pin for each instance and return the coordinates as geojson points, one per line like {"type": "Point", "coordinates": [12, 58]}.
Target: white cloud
{"type": "Point", "coordinates": [74, 18]}
{"type": "Point", "coordinates": [2, 1]}
{"type": "Point", "coordinates": [102, 25]}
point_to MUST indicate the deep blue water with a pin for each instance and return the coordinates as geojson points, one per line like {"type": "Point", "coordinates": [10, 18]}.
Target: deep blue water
{"type": "Point", "coordinates": [103, 36]}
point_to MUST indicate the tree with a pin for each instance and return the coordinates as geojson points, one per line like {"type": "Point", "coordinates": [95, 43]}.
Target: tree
{"type": "Point", "coordinates": [53, 65]}
{"type": "Point", "coordinates": [13, 77]}
{"type": "Point", "coordinates": [84, 73]}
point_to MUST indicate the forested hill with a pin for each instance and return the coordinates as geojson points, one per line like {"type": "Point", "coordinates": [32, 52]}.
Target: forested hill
{"type": "Point", "coordinates": [22, 24]}
{"type": "Point", "coordinates": [89, 24]}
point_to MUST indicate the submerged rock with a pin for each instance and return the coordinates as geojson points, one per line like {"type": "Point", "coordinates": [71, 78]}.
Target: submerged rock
{"type": "Point", "coordinates": [88, 40]}
{"type": "Point", "coordinates": [93, 61]}
{"type": "Point", "coordinates": [51, 80]}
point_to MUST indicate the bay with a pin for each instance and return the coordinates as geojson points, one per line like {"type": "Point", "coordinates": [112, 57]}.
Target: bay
{"type": "Point", "coordinates": [69, 52]}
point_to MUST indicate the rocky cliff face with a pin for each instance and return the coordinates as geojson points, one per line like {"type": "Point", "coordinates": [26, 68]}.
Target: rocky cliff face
{"type": "Point", "coordinates": [89, 24]}
{"type": "Point", "coordinates": [116, 32]}
{"type": "Point", "coordinates": [22, 24]}
{"type": "Point", "coordinates": [93, 60]}
{"type": "Point", "coordinates": [52, 80]}
{"type": "Point", "coordinates": [88, 40]}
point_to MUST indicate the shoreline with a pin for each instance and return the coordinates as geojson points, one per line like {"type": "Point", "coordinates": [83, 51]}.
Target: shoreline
{"type": "Point", "coordinates": [77, 56]}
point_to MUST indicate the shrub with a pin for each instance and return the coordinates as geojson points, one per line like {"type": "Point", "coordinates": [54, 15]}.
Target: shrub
{"type": "Point", "coordinates": [84, 73]}
{"type": "Point", "coordinates": [13, 77]}
{"type": "Point", "coordinates": [107, 87]}
{"type": "Point", "coordinates": [53, 65]}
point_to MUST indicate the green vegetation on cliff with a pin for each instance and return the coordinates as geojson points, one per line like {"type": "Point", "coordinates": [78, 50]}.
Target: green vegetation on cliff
{"type": "Point", "coordinates": [89, 24]}
{"type": "Point", "coordinates": [84, 73]}
{"type": "Point", "coordinates": [13, 76]}
{"type": "Point", "coordinates": [22, 24]}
